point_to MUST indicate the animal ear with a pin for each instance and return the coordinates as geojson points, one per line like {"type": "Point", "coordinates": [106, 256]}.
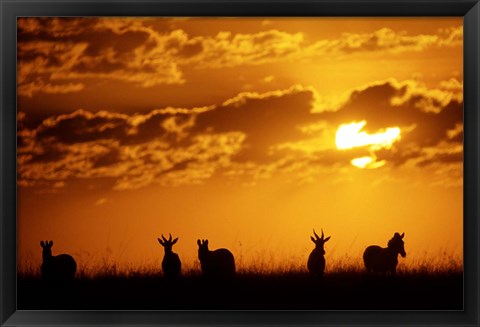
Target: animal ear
{"type": "Point", "coordinates": [175, 241]}
{"type": "Point", "coordinates": [198, 242]}
{"type": "Point", "coordinates": [403, 234]}
{"type": "Point", "coordinates": [327, 239]}
{"type": "Point", "coordinates": [42, 244]}
{"type": "Point", "coordinates": [160, 241]}
{"type": "Point", "coordinates": [206, 242]}
{"type": "Point", "coordinates": [50, 243]}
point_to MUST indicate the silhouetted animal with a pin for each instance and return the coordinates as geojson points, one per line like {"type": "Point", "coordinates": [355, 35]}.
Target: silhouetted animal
{"type": "Point", "coordinates": [316, 260]}
{"type": "Point", "coordinates": [56, 268]}
{"type": "Point", "coordinates": [218, 263]}
{"type": "Point", "coordinates": [383, 260]}
{"type": "Point", "coordinates": [171, 264]}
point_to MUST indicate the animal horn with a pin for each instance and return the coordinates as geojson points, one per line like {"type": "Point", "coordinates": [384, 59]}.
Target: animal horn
{"type": "Point", "coordinates": [170, 238]}
{"type": "Point", "coordinates": [164, 239]}
{"type": "Point", "coordinates": [315, 234]}
{"type": "Point", "coordinates": [322, 233]}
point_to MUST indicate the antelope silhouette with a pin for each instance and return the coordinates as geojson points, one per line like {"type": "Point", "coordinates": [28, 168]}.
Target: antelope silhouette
{"type": "Point", "coordinates": [171, 264]}
{"type": "Point", "coordinates": [56, 268]}
{"type": "Point", "coordinates": [384, 260]}
{"type": "Point", "coordinates": [219, 263]}
{"type": "Point", "coordinates": [316, 260]}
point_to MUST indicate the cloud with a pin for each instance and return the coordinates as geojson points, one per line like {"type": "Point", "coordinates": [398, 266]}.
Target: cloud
{"type": "Point", "coordinates": [445, 153]}
{"type": "Point", "coordinates": [55, 26]}
{"type": "Point", "coordinates": [254, 135]}
{"type": "Point", "coordinates": [130, 150]}
{"type": "Point", "coordinates": [69, 50]}
{"type": "Point", "coordinates": [29, 89]}
{"type": "Point", "coordinates": [167, 146]}
{"type": "Point", "coordinates": [230, 50]}
{"type": "Point", "coordinates": [266, 118]}
{"type": "Point", "coordinates": [57, 55]}
{"type": "Point", "coordinates": [382, 40]}
{"type": "Point", "coordinates": [452, 36]}
{"type": "Point", "coordinates": [427, 117]}
{"type": "Point", "coordinates": [385, 41]}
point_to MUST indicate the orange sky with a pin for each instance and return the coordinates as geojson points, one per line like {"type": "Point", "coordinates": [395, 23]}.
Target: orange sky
{"type": "Point", "coordinates": [226, 129]}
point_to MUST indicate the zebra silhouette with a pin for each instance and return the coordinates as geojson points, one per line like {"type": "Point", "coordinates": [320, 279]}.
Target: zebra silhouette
{"type": "Point", "coordinates": [384, 260]}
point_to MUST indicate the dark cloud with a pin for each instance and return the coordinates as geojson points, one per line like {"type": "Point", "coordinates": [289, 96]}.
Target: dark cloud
{"type": "Point", "coordinates": [56, 28]}
{"type": "Point", "coordinates": [83, 126]}
{"type": "Point", "coordinates": [148, 52]}
{"type": "Point", "coordinates": [171, 126]}
{"type": "Point", "coordinates": [442, 158]}
{"type": "Point", "coordinates": [424, 115]}
{"type": "Point", "coordinates": [111, 157]}
{"type": "Point", "coordinates": [190, 50]}
{"type": "Point", "coordinates": [266, 119]}
{"type": "Point", "coordinates": [70, 49]}
{"type": "Point", "coordinates": [334, 157]}
{"type": "Point", "coordinates": [47, 152]}
{"type": "Point", "coordinates": [384, 39]}
{"type": "Point", "coordinates": [171, 143]}
{"type": "Point", "coordinates": [257, 134]}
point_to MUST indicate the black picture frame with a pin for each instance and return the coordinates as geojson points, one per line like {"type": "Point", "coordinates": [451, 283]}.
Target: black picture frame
{"type": "Point", "coordinates": [468, 9]}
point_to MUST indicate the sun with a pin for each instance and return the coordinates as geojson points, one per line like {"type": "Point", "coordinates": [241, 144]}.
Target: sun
{"type": "Point", "coordinates": [350, 136]}
{"type": "Point", "coordinates": [368, 162]}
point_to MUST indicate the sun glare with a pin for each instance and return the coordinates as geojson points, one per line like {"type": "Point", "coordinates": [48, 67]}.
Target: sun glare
{"type": "Point", "coordinates": [367, 162]}
{"type": "Point", "coordinates": [351, 135]}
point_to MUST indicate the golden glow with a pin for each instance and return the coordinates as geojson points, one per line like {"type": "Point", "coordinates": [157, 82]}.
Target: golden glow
{"type": "Point", "coordinates": [231, 130]}
{"type": "Point", "coordinates": [349, 136]}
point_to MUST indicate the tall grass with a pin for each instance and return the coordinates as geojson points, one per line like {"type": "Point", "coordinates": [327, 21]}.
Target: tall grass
{"type": "Point", "coordinates": [259, 264]}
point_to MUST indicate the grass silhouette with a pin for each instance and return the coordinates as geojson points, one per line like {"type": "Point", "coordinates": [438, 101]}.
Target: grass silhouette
{"type": "Point", "coordinates": [262, 285]}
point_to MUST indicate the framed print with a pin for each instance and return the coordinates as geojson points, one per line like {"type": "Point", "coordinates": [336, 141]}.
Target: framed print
{"type": "Point", "coordinates": [240, 163]}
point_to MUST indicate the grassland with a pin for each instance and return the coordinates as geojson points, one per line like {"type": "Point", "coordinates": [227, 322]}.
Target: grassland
{"type": "Point", "coordinates": [424, 287]}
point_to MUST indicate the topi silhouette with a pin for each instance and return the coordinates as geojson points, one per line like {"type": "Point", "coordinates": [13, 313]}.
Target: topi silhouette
{"type": "Point", "coordinates": [171, 264]}
{"type": "Point", "coordinates": [218, 263]}
{"type": "Point", "coordinates": [56, 268]}
{"type": "Point", "coordinates": [316, 260]}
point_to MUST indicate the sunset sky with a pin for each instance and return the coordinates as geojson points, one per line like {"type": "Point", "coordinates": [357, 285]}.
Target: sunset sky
{"type": "Point", "coordinates": [249, 132]}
